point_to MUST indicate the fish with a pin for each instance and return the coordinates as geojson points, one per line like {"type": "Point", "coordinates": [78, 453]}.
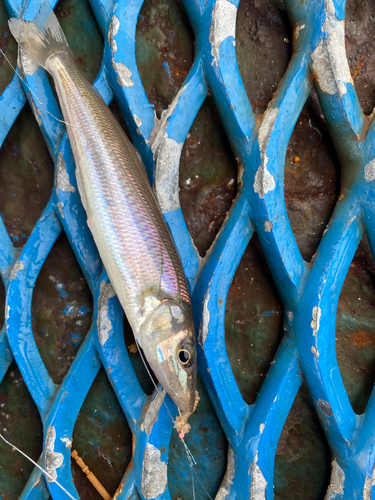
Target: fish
{"type": "Point", "coordinates": [128, 228]}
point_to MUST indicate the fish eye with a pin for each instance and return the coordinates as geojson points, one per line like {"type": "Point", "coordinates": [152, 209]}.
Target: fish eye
{"type": "Point", "coordinates": [186, 355]}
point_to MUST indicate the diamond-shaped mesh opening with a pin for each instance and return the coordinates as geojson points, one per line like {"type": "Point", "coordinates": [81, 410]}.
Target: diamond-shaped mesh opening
{"type": "Point", "coordinates": [303, 455]}
{"type": "Point", "coordinates": [26, 177]}
{"type": "Point", "coordinates": [164, 50]}
{"type": "Point", "coordinates": [61, 309]}
{"type": "Point", "coordinates": [312, 178]}
{"type": "Point", "coordinates": [9, 46]}
{"type": "Point", "coordinates": [2, 302]}
{"type": "Point", "coordinates": [360, 50]}
{"type": "Point", "coordinates": [355, 337]}
{"type": "Point", "coordinates": [208, 444]}
{"type": "Point", "coordinates": [263, 48]}
{"type": "Point", "coordinates": [81, 30]}
{"type": "Point", "coordinates": [253, 321]}
{"type": "Point", "coordinates": [21, 425]}
{"type": "Point", "coordinates": [102, 439]}
{"type": "Point", "coordinates": [208, 177]}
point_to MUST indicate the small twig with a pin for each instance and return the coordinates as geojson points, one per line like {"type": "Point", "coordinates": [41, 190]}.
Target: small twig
{"type": "Point", "coordinates": [91, 477]}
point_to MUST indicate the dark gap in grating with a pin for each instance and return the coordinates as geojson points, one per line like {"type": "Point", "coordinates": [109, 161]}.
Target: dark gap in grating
{"type": "Point", "coordinates": [312, 178]}
{"type": "Point", "coordinates": [61, 309]}
{"type": "Point", "coordinates": [102, 438]}
{"type": "Point", "coordinates": [9, 46]}
{"type": "Point", "coordinates": [253, 321]}
{"type": "Point", "coordinates": [137, 361]}
{"type": "Point", "coordinates": [208, 177]}
{"type": "Point", "coordinates": [26, 177]}
{"type": "Point", "coordinates": [209, 446]}
{"type": "Point", "coordinates": [164, 50]}
{"type": "Point", "coordinates": [82, 32]}
{"type": "Point", "coordinates": [303, 454]}
{"type": "Point", "coordinates": [355, 327]}
{"type": "Point", "coordinates": [20, 424]}
{"type": "Point", "coordinates": [2, 303]}
{"type": "Point", "coordinates": [263, 48]}
{"type": "Point", "coordinates": [360, 50]}
{"type": "Point", "coordinates": [114, 106]}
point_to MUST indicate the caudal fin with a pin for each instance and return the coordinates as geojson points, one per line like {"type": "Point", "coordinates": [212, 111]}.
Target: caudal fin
{"type": "Point", "coordinates": [41, 37]}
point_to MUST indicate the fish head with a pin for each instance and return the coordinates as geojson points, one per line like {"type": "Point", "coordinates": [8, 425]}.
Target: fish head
{"type": "Point", "coordinates": [168, 341]}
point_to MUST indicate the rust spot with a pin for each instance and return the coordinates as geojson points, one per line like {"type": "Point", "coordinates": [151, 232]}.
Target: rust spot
{"type": "Point", "coordinates": [361, 339]}
{"type": "Point", "coordinates": [359, 67]}
{"type": "Point", "coordinates": [341, 196]}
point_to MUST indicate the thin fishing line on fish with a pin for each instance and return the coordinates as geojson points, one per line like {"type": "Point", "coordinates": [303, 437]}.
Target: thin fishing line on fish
{"type": "Point", "coordinates": [32, 92]}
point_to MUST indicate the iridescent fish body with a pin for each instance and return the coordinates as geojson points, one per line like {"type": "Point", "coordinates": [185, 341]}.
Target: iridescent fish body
{"type": "Point", "coordinates": [123, 215]}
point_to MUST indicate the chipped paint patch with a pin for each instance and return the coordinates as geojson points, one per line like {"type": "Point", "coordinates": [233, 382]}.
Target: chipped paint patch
{"type": "Point", "coordinates": [290, 315]}
{"type": "Point", "coordinates": [370, 171]}
{"type": "Point", "coordinates": [167, 174]}
{"type": "Point", "coordinates": [315, 323]}
{"type": "Point", "coordinates": [68, 442]}
{"type": "Point", "coordinates": [52, 459]}
{"type": "Point", "coordinates": [152, 412]}
{"type": "Point", "coordinates": [337, 483]}
{"type": "Point", "coordinates": [62, 177]}
{"type": "Point", "coordinates": [60, 206]}
{"type": "Point", "coordinates": [227, 481]}
{"type": "Point", "coordinates": [369, 483]}
{"type": "Point", "coordinates": [104, 324]}
{"type": "Point", "coordinates": [123, 72]}
{"type": "Point", "coordinates": [261, 428]}
{"type": "Point", "coordinates": [329, 58]}
{"type": "Point", "coordinates": [18, 266]}
{"type": "Point", "coordinates": [298, 28]}
{"type": "Point", "coordinates": [203, 329]}
{"type": "Point", "coordinates": [137, 120]}
{"type": "Point", "coordinates": [223, 26]}
{"type": "Point", "coordinates": [325, 407]}
{"type": "Point", "coordinates": [268, 226]}
{"type": "Point", "coordinates": [258, 483]}
{"type": "Point", "coordinates": [315, 351]}
{"type": "Point", "coordinates": [264, 182]}
{"type": "Point", "coordinates": [154, 473]}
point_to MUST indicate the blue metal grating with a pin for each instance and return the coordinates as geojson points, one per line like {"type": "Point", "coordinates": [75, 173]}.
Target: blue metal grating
{"type": "Point", "coordinates": [309, 292]}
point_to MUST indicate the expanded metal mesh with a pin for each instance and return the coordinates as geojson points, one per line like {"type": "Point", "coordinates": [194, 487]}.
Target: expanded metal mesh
{"type": "Point", "coordinates": [309, 292]}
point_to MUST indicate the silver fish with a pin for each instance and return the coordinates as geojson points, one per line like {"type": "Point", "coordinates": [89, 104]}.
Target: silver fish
{"type": "Point", "coordinates": [123, 215]}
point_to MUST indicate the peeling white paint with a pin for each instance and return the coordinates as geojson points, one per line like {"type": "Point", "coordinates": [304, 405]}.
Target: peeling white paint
{"type": "Point", "coordinates": [154, 473]}
{"type": "Point", "coordinates": [227, 481]}
{"type": "Point", "coordinates": [370, 171]}
{"type": "Point", "coordinates": [123, 72]}
{"type": "Point", "coordinates": [329, 57]}
{"type": "Point", "coordinates": [298, 28]}
{"type": "Point", "coordinates": [68, 442]}
{"type": "Point", "coordinates": [18, 266]}
{"type": "Point", "coordinates": [203, 329]}
{"type": "Point", "coordinates": [62, 177]}
{"type": "Point", "coordinates": [369, 483]}
{"type": "Point", "coordinates": [258, 483]}
{"type": "Point", "coordinates": [290, 315]}
{"type": "Point", "coordinates": [268, 226]}
{"type": "Point", "coordinates": [152, 412]}
{"type": "Point", "coordinates": [336, 485]}
{"type": "Point", "coordinates": [7, 310]}
{"type": "Point", "coordinates": [222, 27]}
{"type": "Point", "coordinates": [52, 459]}
{"type": "Point", "coordinates": [104, 324]}
{"type": "Point", "coordinates": [60, 206]}
{"type": "Point", "coordinates": [264, 182]}
{"type": "Point", "coordinates": [167, 174]}
{"type": "Point", "coordinates": [315, 323]}
{"type": "Point", "coordinates": [261, 428]}
{"type": "Point", "coordinates": [137, 120]}
{"type": "Point", "coordinates": [315, 351]}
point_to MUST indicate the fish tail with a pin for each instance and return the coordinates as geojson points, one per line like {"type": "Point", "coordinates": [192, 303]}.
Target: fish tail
{"type": "Point", "coordinates": [40, 38]}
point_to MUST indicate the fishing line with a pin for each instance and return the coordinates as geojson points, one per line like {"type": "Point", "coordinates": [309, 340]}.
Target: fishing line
{"type": "Point", "coordinates": [33, 93]}
{"type": "Point", "coordinates": [39, 467]}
